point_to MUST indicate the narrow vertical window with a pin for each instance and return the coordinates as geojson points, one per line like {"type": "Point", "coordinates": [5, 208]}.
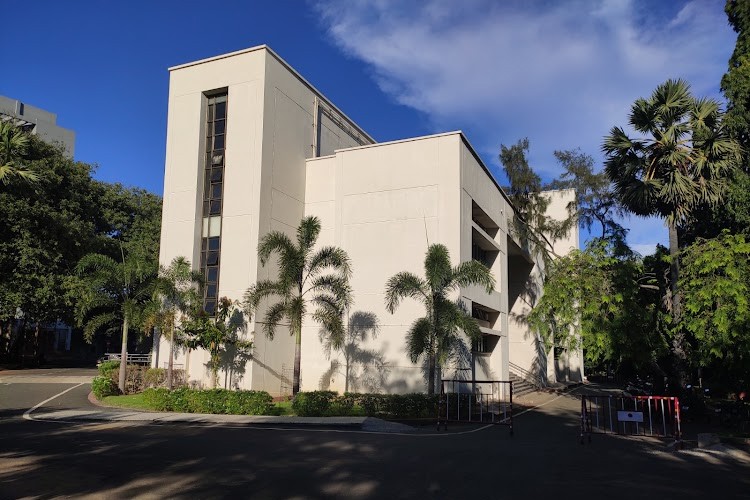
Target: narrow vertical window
{"type": "Point", "coordinates": [213, 191]}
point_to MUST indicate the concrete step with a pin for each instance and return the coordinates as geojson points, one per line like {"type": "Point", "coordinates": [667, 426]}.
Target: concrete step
{"type": "Point", "coordinates": [521, 386]}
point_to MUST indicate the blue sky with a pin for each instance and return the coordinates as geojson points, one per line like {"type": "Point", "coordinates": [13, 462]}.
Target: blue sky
{"type": "Point", "coordinates": [560, 73]}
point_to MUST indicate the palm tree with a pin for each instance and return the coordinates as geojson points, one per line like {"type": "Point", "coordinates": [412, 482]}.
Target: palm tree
{"type": "Point", "coordinates": [435, 336]}
{"type": "Point", "coordinates": [14, 143]}
{"type": "Point", "coordinates": [111, 294]}
{"type": "Point", "coordinates": [176, 295]}
{"type": "Point", "coordinates": [302, 280]}
{"type": "Point", "coordinates": [681, 160]}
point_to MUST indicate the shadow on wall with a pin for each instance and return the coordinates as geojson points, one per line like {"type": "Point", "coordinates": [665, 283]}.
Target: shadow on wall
{"type": "Point", "coordinates": [364, 370]}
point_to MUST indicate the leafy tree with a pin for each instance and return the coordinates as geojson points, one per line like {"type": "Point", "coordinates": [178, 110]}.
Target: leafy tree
{"type": "Point", "coordinates": [594, 299]}
{"type": "Point", "coordinates": [595, 202]}
{"type": "Point", "coordinates": [45, 229]}
{"type": "Point", "coordinates": [716, 281]}
{"type": "Point", "coordinates": [14, 145]}
{"type": "Point", "coordinates": [217, 335]}
{"type": "Point", "coordinates": [435, 335]}
{"type": "Point", "coordinates": [176, 295]}
{"type": "Point", "coordinates": [736, 81]}
{"type": "Point", "coordinates": [681, 159]}
{"type": "Point", "coordinates": [531, 223]}
{"type": "Point", "coordinates": [305, 277]}
{"type": "Point", "coordinates": [114, 294]}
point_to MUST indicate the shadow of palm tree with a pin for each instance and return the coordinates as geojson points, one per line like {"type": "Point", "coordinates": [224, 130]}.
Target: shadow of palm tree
{"type": "Point", "coordinates": [363, 369]}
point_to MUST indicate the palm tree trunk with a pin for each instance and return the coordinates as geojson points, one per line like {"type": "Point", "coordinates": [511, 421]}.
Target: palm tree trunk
{"type": "Point", "coordinates": [679, 347]}
{"type": "Point", "coordinates": [123, 355]}
{"type": "Point", "coordinates": [431, 375]}
{"type": "Point", "coordinates": [297, 357]}
{"type": "Point", "coordinates": [170, 364]}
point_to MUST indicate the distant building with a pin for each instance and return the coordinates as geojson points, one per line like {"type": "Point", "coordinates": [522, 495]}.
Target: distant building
{"type": "Point", "coordinates": [252, 147]}
{"type": "Point", "coordinates": [39, 122]}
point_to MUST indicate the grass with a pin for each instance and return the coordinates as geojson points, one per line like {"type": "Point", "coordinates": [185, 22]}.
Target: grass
{"type": "Point", "coordinates": [134, 401]}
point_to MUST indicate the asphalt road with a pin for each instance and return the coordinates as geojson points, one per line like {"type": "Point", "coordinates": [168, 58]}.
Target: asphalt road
{"type": "Point", "coordinates": [544, 459]}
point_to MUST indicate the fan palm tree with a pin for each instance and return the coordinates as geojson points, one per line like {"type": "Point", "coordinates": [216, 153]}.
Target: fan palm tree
{"type": "Point", "coordinates": [435, 336]}
{"type": "Point", "coordinates": [305, 277]}
{"type": "Point", "coordinates": [176, 295]}
{"type": "Point", "coordinates": [111, 294]}
{"type": "Point", "coordinates": [682, 159]}
{"type": "Point", "coordinates": [14, 143]}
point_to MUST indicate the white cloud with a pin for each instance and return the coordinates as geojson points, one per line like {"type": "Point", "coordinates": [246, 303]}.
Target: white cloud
{"type": "Point", "coordinates": [560, 73]}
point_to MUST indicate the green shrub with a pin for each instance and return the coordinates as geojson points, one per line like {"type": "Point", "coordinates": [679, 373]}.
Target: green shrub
{"type": "Point", "coordinates": [217, 401]}
{"type": "Point", "coordinates": [107, 367]}
{"type": "Point", "coordinates": [103, 387]}
{"type": "Point", "coordinates": [158, 399]}
{"type": "Point", "coordinates": [397, 405]}
{"type": "Point", "coordinates": [154, 377]}
{"type": "Point", "coordinates": [313, 404]}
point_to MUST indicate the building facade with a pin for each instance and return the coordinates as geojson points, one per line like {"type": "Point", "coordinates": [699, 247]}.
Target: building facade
{"type": "Point", "coordinates": [38, 122]}
{"type": "Point", "coordinates": [252, 147]}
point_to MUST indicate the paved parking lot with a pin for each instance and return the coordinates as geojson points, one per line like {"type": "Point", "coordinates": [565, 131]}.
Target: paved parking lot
{"type": "Point", "coordinates": [126, 460]}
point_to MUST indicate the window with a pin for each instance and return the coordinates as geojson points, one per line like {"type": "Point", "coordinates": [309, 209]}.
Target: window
{"type": "Point", "coordinates": [213, 193]}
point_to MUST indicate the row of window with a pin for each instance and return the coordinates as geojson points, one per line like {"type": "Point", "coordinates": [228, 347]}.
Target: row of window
{"type": "Point", "coordinates": [213, 190]}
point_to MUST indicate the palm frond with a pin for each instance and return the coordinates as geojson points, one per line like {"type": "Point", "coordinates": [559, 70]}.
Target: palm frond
{"type": "Point", "coordinates": [473, 273]}
{"type": "Point", "coordinates": [418, 339]}
{"type": "Point", "coordinates": [403, 285]}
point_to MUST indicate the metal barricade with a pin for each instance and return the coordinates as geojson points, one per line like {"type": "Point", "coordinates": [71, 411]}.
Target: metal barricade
{"type": "Point", "coordinates": [133, 359]}
{"type": "Point", "coordinates": [475, 401]}
{"type": "Point", "coordinates": [631, 415]}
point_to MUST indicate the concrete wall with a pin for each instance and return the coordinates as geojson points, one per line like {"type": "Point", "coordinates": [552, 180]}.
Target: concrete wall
{"type": "Point", "coordinates": [269, 137]}
{"type": "Point", "coordinates": [39, 122]}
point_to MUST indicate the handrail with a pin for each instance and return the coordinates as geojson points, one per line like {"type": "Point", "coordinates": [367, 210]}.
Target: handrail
{"type": "Point", "coordinates": [526, 375]}
{"type": "Point", "coordinates": [139, 359]}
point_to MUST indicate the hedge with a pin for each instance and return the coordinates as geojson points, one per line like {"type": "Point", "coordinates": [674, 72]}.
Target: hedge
{"type": "Point", "coordinates": [329, 403]}
{"type": "Point", "coordinates": [103, 386]}
{"type": "Point", "coordinates": [218, 401]}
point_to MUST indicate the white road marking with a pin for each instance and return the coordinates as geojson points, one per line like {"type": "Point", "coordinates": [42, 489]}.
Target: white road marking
{"type": "Point", "coordinates": [27, 413]}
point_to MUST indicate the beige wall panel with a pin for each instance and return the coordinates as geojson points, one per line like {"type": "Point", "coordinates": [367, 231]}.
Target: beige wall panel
{"type": "Point", "coordinates": [218, 73]}
{"type": "Point", "coordinates": [243, 154]}
{"type": "Point", "coordinates": [394, 205]}
{"type": "Point", "coordinates": [292, 138]}
{"type": "Point", "coordinates": [273, 361]}
{"type": "Point", "coordinates": [375, 168]}
{"type": "Point", "coordinates": [325, 211]}
{"type": "Point", "coordinates": [286, 209]}
{"type": "Point", "coordinates": [320, 180]}
{"type": "Point", "coordinates": [179, 241]}
{"type": "Point", "coordinates": [183, 160]}
{"type": "Point", "coordinates": [238, 257]}
{"type": "Point", "coordinates": [181, 206]}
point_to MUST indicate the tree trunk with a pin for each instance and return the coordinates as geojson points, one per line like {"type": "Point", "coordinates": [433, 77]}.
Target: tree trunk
{"type": "Point", "coordinates": [123, 356]}
{"type": "Point", "coordinates": [679, 346]}
{"type": "Point", "coordinates": [431, 375]}
{"type": "Point", "coordinates": [297, 357]}
{"type": "Point", "coordinates": [170, 363]}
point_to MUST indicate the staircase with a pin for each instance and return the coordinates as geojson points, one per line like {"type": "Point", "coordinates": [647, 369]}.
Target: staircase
{"type": "Point", "coordinates": [521, 387]}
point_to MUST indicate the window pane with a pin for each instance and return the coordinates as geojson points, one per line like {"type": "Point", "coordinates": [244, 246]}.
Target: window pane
{"type": "Point", "coordinates": [210, 113]}
{"type": "Point", "coordinates": [203, 259]}
{"type": "Point", "coordinates": [213, 243]}
{"type": "Point", "coordinates": [212, 259]}
{"type": "Point", "coordinates": [215, 207]}
{"type": "Point", "coordinates": [221, 110]}
{"type": "Point", "coordinates": [210, 307]}
{"type": "Point", "coordinates": [217, 174]}
{"type": "Point", "coordinates": [217, 159]}
{"type": "Point", "coordinates": [213, 274]}
{"type": "Point", "coordinates": [219, 142]}
{"type": "Point", "coordinates": [214, 226]}
{"type": "Point", "coordinates": [205, 208]}
{"type": "Point", "coordinates": [211, 291]}
{"type": "Point", "coordinates": [216, 190]}
{"type": "Point", "coordinates": [219, 127]}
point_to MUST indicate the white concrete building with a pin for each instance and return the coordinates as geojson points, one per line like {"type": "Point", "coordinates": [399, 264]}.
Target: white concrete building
{"type": "Point", "coordinates": [252, 147]}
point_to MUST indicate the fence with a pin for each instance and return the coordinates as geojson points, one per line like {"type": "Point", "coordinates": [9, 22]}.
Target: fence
{"type": "Point", "coordinates": [134, 359]}
{"type": "Point", "coordinates": [630, 415]}
{"type": "Point", "coordinates": [480, 401]}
